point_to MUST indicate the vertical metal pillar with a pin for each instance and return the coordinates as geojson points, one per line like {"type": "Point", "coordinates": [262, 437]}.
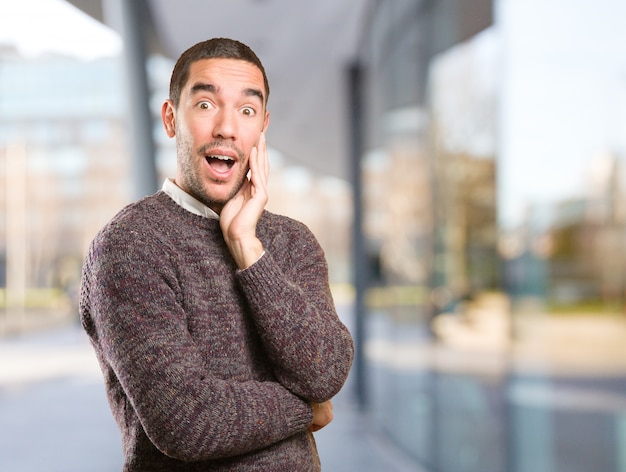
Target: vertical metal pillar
{"type": "Point", "coordinates": [16, 238]}
{"type": "Point", "coordinates": [126, 16]}
{"type": "Point", "coordinates": [359, 259]}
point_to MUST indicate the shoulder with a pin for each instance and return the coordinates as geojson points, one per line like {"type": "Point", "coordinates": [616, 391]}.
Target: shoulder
{"type": "Point", "coordinates": [281, 232]}
{"type": "Point", "coordinates": [142, 221]}
{"type": "Point", "coordinates": [145, 210]}
{"type": "Point", "coordinates": [283, 225]}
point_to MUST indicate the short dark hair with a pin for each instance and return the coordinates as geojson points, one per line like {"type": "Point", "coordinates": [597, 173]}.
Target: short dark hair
{"type": "Point", "coordinates": [213, 48]}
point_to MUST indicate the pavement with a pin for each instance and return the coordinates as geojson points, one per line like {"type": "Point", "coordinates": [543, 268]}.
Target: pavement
{"type": "Point", "coordinates": [54, 414]}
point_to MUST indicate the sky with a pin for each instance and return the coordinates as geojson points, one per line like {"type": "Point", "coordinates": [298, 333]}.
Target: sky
{"type": "Point", "coordinates": [563, 98]}
{"type": "Point", "coordinates": [36, 27]}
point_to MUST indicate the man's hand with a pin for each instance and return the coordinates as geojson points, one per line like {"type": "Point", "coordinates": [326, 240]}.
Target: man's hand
{"type": "Point", "coordinates": [322, 415]}
{"type": "Point", "coordinates": [241, 214]}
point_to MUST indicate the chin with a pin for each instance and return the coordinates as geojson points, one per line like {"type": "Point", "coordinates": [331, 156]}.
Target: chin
{"type": "Point", "coordinates": [220, 195]}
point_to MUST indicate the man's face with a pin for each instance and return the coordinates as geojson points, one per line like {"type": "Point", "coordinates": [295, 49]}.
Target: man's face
{"type": "Point", "coordinates": [218, 121]}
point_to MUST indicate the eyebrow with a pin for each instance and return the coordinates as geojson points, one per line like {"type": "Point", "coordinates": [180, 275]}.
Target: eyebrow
{"type": "Point", "coordinates": [248, 92]}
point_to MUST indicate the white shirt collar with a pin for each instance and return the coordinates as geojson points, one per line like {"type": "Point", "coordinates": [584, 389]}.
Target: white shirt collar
{"type": "Point", "coordinates": [186, 201]}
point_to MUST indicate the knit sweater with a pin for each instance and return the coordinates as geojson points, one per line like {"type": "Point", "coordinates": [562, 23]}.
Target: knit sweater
{"type": "Point", "coordinates": [207, 367]}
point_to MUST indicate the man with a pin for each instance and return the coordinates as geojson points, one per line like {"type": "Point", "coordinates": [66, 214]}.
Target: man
{"type": "Point", "coordinates": [211, 318]}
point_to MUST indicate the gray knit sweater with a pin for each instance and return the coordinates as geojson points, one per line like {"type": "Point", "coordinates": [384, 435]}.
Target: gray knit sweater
{"type": "Point", "coordinates": [208, 368]}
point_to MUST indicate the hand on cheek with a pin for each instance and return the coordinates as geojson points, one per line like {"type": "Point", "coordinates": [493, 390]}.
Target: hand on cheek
{"type": "Point", "coordinates": [240, 215]}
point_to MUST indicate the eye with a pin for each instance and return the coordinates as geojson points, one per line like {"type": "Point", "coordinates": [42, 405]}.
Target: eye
{"type": "Point", "coordinates": [248, 111]}
{"type": "Point", "coordinates": [205, 105]}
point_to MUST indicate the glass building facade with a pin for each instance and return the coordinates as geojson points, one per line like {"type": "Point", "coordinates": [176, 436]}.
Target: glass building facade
{"type": "Point", "coordinates": [493, 214]}
{"type": "Point", "coordinates": [494, 220]}
{"type": "Point", "coordinates": [63, 162]}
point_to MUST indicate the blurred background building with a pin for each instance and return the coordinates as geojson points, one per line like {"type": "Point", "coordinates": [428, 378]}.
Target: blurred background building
{"type": "Point", "coordinates": [461, 162]}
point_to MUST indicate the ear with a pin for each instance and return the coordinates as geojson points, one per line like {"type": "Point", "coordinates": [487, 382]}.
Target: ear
{"type": "Point", "coordinates": [168, 116]}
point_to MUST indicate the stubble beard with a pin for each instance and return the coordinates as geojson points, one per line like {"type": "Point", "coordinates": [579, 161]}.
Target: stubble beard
{"type": "Point", "coordinates": [192, 183]}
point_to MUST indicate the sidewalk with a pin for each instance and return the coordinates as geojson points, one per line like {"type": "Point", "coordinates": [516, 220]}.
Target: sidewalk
{"type": "Point", "coordinates": [54, 415]}
{"type": "Point", "coordinates": [53, 412]}
{"type": "Point", "coordinates": [351, 443]}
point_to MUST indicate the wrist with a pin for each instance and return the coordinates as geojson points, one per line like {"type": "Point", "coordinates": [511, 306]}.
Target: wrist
{"type": "Point", "coordinates": [246, 252]}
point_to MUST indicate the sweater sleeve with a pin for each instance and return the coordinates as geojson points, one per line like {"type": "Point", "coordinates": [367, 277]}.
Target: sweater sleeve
{"type": "Point", "coordinates": [129, 309]}
{"type": "Point", "coordinates": [293, 309]}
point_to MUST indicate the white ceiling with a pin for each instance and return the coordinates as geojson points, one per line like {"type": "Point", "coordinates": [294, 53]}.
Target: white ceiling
{"type": "Point", "coordinates": [305, 46]}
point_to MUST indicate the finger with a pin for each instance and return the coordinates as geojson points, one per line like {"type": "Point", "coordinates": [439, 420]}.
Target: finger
{"type": "Point", "coordinates": [263, 157]}
{"type": "Point", "coordinates": [252, 162]}
{"type": "Point", "coordinates": [259, 162]}
{"type": "Point", "coordinates": [259, 165]}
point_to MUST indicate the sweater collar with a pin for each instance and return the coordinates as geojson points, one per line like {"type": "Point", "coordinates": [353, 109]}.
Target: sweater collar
{"type": "Point", "coordinates": [186, 201]}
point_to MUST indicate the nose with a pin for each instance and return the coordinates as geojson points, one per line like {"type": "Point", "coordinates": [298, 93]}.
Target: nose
{"type": "Point", "coordinates": [225, 125]}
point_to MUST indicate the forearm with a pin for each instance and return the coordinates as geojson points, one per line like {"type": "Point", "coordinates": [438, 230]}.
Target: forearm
{"type": "Point", "coordinates": [213, 419]}
{"type": "Point", "coordinates": [185, 411]}
{"type": "Point", "coordinates": [245, 252]}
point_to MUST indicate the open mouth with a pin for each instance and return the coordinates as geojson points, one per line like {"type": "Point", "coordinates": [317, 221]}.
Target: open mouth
{"type": "Point", "coordinates": [221, 164]}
